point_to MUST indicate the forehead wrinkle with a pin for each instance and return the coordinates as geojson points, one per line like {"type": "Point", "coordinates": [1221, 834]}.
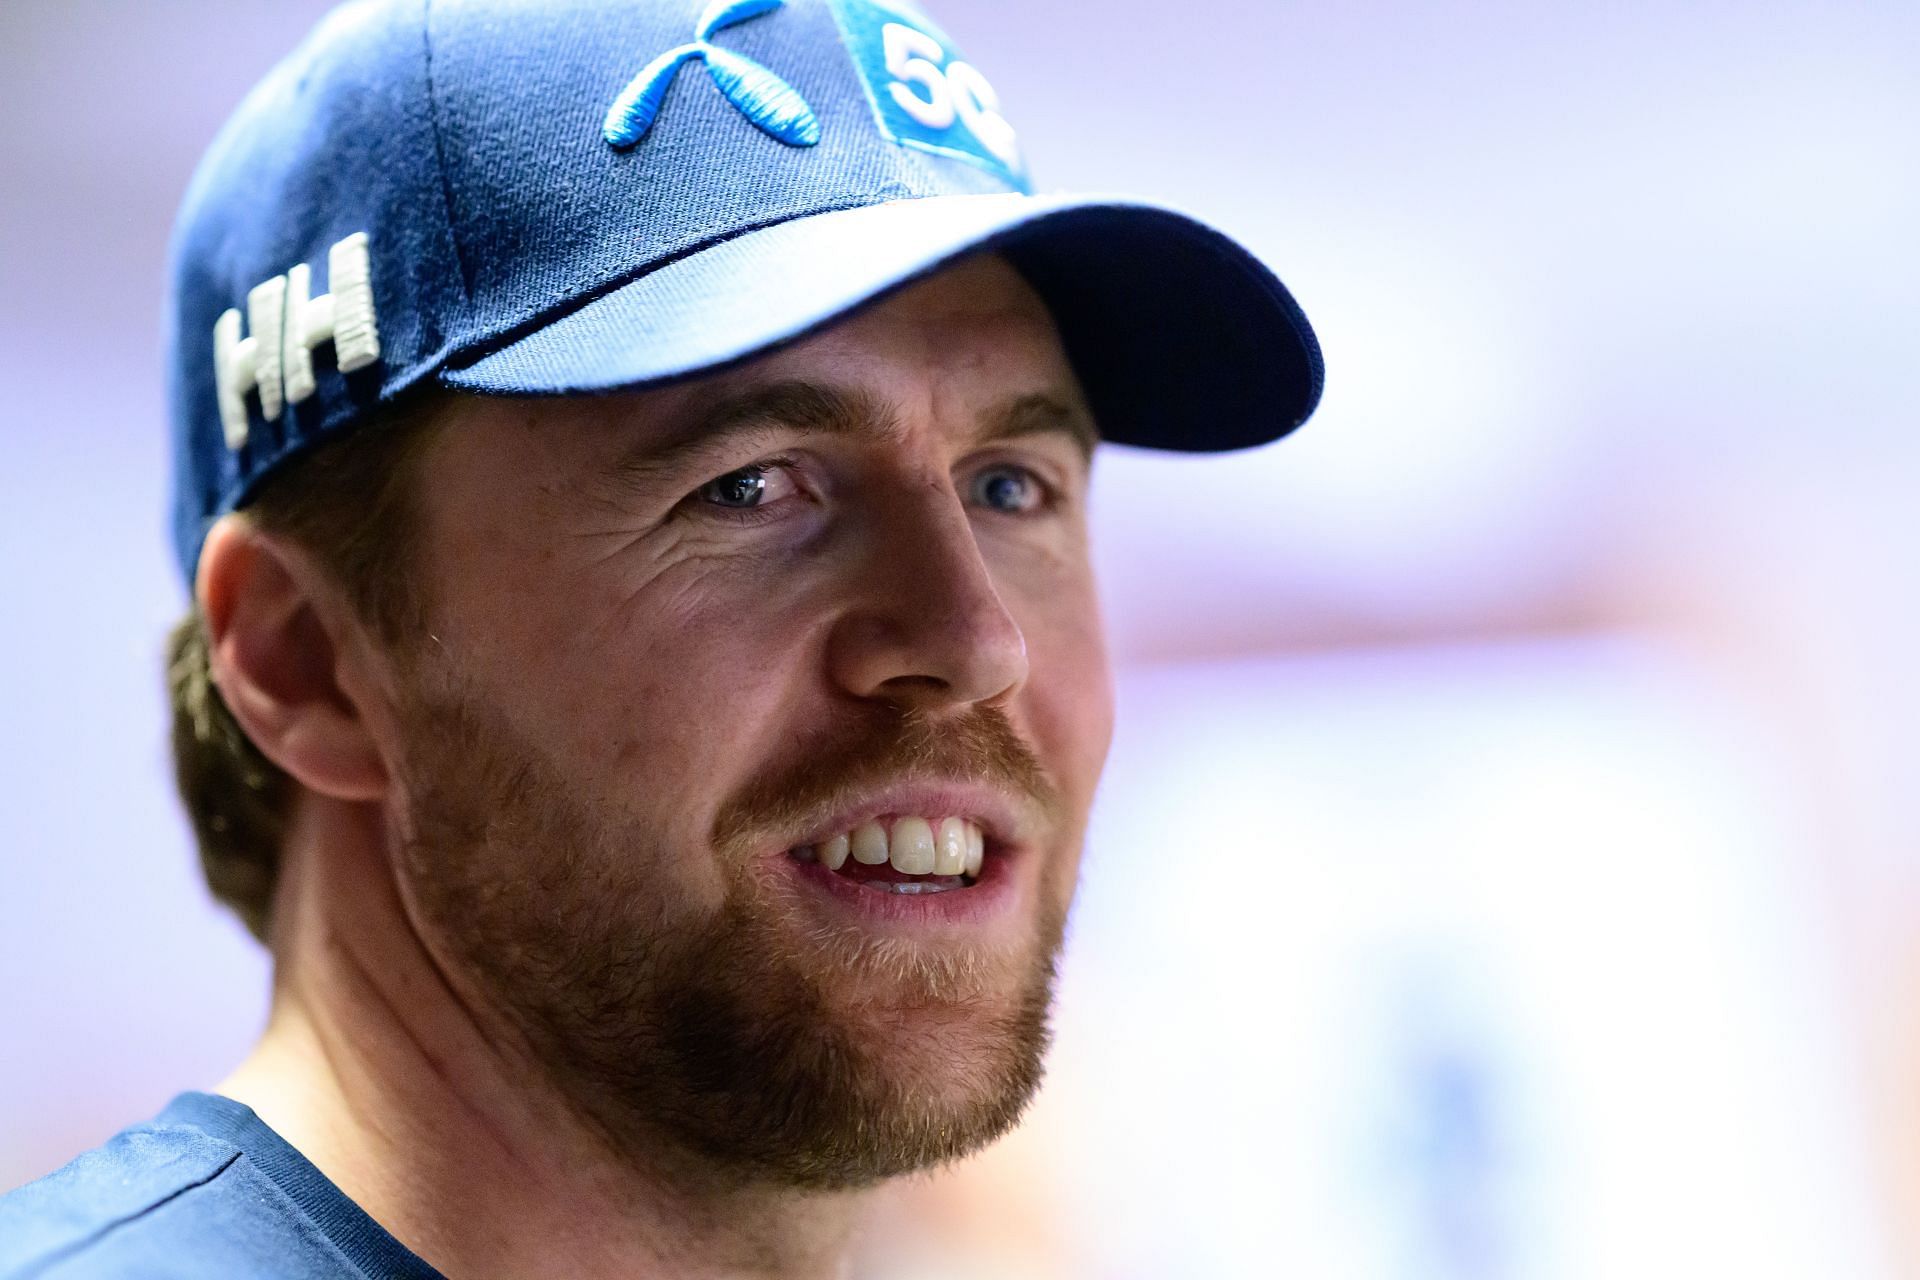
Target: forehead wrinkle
{"type": "Point", "coordinates": [798, 404]}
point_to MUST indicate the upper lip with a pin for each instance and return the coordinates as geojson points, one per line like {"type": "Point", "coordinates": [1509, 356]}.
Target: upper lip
{"type": "Point", "coordinates": [997, 816]}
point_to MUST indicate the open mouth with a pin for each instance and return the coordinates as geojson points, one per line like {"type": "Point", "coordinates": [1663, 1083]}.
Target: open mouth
{"type": "Point", "coordinates": [903, 855]}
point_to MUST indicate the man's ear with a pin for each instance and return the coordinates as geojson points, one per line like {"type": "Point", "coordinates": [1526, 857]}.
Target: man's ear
{"type": "Point", "coordinates": [275, 633]}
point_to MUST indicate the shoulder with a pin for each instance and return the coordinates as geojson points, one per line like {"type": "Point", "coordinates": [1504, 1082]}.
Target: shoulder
{"type": "Point", "coordinates": [163, 1202]}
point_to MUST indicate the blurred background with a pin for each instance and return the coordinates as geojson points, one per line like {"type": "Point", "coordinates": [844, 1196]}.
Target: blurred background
{"type": "Point", "coordinates": [1509, 864]}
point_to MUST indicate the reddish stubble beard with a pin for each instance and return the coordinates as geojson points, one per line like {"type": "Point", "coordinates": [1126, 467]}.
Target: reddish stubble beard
{"type": "Point", "coordinates": [758, 1050]}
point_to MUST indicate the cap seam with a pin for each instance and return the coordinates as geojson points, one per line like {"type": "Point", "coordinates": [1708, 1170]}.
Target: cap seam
{"type": "Point", "coordinates": [440, 157]}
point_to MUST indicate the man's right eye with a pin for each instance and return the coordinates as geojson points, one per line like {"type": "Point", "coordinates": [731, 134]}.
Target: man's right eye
{"type": "Point", "coordinates": [740, 488]}
{"type": "Point", "coordinates": [747, 491]}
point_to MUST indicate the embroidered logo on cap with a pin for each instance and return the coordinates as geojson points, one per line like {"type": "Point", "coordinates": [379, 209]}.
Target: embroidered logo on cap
{"type": "Point", "coordinates": [287, 324]}
{"type": "Point", "coordinates": [924, 95]}
{"type": "Point", "coordinates": [763, 97]}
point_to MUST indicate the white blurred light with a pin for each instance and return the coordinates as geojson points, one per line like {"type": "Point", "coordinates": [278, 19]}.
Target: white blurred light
{"type": "Point", "coordinates": [1458, 963]}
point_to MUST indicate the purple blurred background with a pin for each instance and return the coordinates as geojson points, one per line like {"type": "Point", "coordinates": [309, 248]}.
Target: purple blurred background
{"type": "Point", "coordinates": [1509, 864]}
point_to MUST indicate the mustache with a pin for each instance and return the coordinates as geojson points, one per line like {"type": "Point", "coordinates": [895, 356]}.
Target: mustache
{"type": "Point", "coordinates": [980, 747]}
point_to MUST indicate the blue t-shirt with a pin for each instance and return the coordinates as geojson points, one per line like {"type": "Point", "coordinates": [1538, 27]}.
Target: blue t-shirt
{"type": "Point", "coordinates": [205, 1189]}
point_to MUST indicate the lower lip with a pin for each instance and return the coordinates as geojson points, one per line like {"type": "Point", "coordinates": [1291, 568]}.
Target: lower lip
{"type": "Point", "coordinates": [991, 896]}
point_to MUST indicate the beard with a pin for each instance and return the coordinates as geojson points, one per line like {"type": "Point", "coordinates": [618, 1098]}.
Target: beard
{"type": "Point", "coordinates": [732, 1042]}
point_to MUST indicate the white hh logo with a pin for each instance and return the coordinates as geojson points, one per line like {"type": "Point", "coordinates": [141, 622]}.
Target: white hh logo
{"type": "Point", "coordinates": [287, 324]}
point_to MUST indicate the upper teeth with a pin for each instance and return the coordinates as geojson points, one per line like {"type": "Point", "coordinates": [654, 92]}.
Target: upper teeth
{"type": "Point", "coordinates": [915, 847]}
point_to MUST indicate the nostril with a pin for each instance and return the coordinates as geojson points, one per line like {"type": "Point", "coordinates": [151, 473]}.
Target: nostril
{"type": "Point", "coordinates": [916, 684]}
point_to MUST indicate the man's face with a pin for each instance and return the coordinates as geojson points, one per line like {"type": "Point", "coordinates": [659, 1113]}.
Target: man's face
{"type": "Point", "coordinates": [653, 671]}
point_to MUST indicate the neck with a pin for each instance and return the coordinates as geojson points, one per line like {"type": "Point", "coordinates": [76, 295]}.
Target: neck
{"type": "Point", "coordinates": [432, 1115]}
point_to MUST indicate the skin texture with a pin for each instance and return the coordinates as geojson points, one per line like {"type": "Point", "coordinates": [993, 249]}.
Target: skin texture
{"type": "Point", "coordinates": [548, 997]}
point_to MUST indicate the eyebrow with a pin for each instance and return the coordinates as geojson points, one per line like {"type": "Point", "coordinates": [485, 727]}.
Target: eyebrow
{"type": "Point", "coordinates": [1036, 413]}
{"type": "Point", "coordinates": [824, 409]}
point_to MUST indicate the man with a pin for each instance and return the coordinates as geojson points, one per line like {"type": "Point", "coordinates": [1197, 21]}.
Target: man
{"type": "Point", "coordinates": [644, 682]}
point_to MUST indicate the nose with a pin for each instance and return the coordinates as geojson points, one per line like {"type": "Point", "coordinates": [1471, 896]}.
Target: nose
{"type": "Point", "coordinates": [926, 628]}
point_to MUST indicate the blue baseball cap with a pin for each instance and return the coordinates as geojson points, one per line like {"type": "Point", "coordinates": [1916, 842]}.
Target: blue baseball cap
{"type": "Point", "coordinates": [552, 197]}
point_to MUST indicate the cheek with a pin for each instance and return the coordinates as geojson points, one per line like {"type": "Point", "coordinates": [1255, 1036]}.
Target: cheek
{"type": "Point", "coordinates": [649, 693]}
{"type": "Point", "coordinates": [1070, 697]}
{"type": "Point", "coordinates": [672, 685]}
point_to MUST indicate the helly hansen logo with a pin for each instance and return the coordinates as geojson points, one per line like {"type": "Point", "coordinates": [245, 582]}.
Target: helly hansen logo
{"type": "Point", "coordinates": [286, 324]}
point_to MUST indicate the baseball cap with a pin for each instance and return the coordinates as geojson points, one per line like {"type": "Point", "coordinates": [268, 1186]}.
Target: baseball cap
{"type": "Point", "coordinates": [548, 197]}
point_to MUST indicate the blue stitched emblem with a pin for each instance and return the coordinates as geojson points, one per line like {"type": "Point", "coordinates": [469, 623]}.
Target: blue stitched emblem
{"type": "Point", "coordinates": [924, 94]}
{"type": "Point", "coordinates": [773, 105]}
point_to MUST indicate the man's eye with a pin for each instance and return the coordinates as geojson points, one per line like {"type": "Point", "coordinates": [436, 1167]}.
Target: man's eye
{"type": "Point", "coordinates": [749, 488]}
{"type": "Point", "coordinates": [1010, 489]}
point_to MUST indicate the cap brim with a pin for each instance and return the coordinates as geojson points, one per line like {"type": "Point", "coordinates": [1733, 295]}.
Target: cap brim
{"type": "Point", "coordinates": [1182, 339]}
